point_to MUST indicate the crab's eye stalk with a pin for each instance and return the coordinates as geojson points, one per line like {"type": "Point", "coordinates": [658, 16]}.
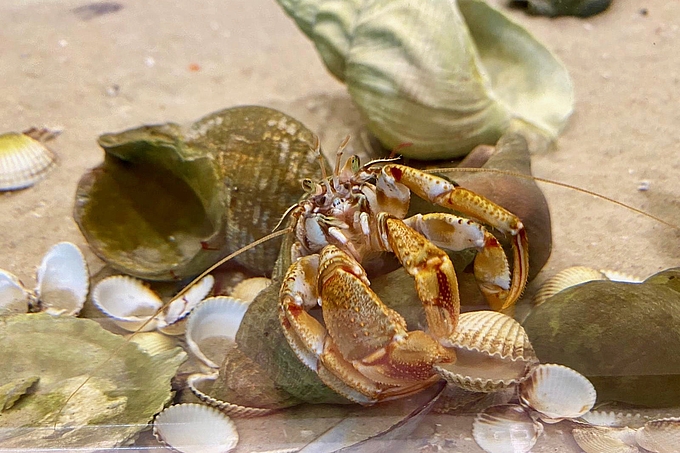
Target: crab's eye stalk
{"type": "Point", "coordinates": [308, 185]}
{"type": "Point", "coordinates": [355, 163]}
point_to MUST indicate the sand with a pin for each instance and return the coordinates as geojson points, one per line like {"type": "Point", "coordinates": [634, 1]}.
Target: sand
{"type": "Point", "coordinates": [153, 62]}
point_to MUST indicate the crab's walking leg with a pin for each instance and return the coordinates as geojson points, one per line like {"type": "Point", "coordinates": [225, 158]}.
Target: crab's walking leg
{"type": "Point", "coordinates": [432, 269]}
{"type": "Point", "coordinates": [444, 193]}
{"type": "Point", "coordinates": [452, 232]}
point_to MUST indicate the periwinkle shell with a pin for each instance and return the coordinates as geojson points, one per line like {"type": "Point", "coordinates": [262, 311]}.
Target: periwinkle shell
{"type": "Point", "coordinates": [623, 336]}
{"type": "Point", "coordinates": [169, 200]}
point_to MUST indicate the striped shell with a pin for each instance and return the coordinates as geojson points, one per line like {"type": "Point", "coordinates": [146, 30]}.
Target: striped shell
{"type": "Point", "coordinates": [492, 350]}
{"type": "Point", "coordinates": [564, 279]}
{"type": "Point", "coordinates": [660, 436]}
{"type": "Point", "coordinates": [195, 428]}
{"type": "Point", "coordinates": [599, 439]}
{"type": "Point", "coordinates": [23, 161]}
{"type": "Point", "coordinates": [196, 382]}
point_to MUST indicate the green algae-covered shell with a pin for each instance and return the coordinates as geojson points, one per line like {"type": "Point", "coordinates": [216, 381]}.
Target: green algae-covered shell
{"type": "Point", "coordinates": [170, 200]}
{"type": "Point", "coordinates": [623, 336]}
{"type": "Point", "coordinates": [54, 356]}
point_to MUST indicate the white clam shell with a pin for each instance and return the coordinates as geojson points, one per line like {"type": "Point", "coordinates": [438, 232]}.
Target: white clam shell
{"type": "Point", "coordinates": [249, 288]}
{"type": "Point", "coordinates": [557, 392]}
{"type": "Point", "coordinates": [506, 428]}
{"type": "Point", "coordinates": [63, 280]}
{"type": "Point", "coordinates": [195, 428]}
{"type": "Point", "coordinates": [215, 317]}
{"type": "Point", "coordinates": [493, 352]}
{"type": "Point", "coordinates": [566, 278]}
{"type": "Point", "coordinates": [23, 161]}
{"type": "Point", "coordinates": [660, 436]}
{"type": "Point", "coordinates": [128, 302]}
{"type": "Point", "coordinates": [13, 296]}
{"type": "Point", "coordinates": [599, 439]}
{"type": "Point", "coordinates": [196, 381]}
{"type": "Point", "coordinates": [179, 307]}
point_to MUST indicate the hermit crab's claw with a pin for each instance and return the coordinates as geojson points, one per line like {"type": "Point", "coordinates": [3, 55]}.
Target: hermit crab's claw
{"type": "Point", "coordinates": [492, 272]}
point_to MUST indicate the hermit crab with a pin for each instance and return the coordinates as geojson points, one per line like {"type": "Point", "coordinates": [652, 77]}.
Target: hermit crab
{"type": "Point", "coordinates": [363, 349]}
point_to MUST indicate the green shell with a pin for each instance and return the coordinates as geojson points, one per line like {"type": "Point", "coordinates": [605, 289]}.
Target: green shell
{"type": "Point", "coordinates": [46, 386]}
{"type": "Point", "coordinates": [623, 336]}
{"type": "Point", "coordinates": [169, 200]}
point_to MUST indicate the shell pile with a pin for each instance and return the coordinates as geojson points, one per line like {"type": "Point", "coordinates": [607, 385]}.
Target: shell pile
{"type": "Point", "coordinates": [63, 282]}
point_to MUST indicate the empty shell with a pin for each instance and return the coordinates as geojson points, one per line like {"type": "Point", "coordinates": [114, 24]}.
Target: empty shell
{"type": "Point", "coordinates": [506, 428]}
{"type": "Point", "coordinates": [557, 393]}
{"type": "Point", "coordinates": [23, 161]}
{"type": "Point", "coordinates": [178, 309]}
{"type": "Point", "coordinates": [14, 298]}
{"type": "Point", "coordinates": [660, 436]}
{"type": "Point", "coordinates": [215, 317]}
{"type": "Point", "coordinates": [600, 439]}
{"type": "Point", "coordinates": [196, 383]}
{"type": "Point", "coordinates": [195, 428]}
{"type": "Point", "coordinates": [566, 278]}
{"type": "Point", "coordinates": [63, 280]}
{"type": "Point", "coordinates": [492, 352]}
{"type": "Point", "coordinates": [613, 419]}
{"type": "Point", "coordinates": [249, 288]}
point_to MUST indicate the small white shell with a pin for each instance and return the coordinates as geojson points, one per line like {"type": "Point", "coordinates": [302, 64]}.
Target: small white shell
{"type": "Point", "coordinates": [600, 439]}
{"type": "Point", "coordinates": [613, 419]}
{"type": "Point", "coordinates": [249, 288]}
{"type": "Point", "coordinates": [196, 381]}
{"type": "Point", "coordinates": [153, 343]}
{"type": "Point", "coordinates": [557, 392]}
{"type": "Point", "coordinates": [174, 320]}
{"type": "Point", "coordinates": [195, 428]}
{"type": "Point", "coordinates": [63, 280]}
{"type": "Point", "coordinates": [660, 436]}
{"type": "Point", "coordinates": [215, 317]}
{"type": "Point", "coordinates": [13, 296]}
{"type": "Point", "coordinates": [566, 278]}
{"type": "Point", "coordinates": [493, 352]}
{"type": "Point", "coordinates": [128, 302]}
{"type": "Point", "coordinates": [506, 428]}
{"type": "Point", "coordinates": [23, 161]}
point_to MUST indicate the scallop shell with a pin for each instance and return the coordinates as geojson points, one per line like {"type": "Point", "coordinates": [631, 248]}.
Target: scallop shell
{"type": "Point", "coordinates": [13, 296]}
{"type": "Point", "coordinates": [660, 436]}
{"type": "Point", "coordinates": [178, 308]}
{"type": "Point", "coordinates": [506, 428]}
{"type": "Point", "coordinates": [215, 317]}
{"type": "Point", "coordinates": [613, 419]}
{"type": "Point", "coordinates": [557, 392]}
{"type": "Point", "coordinates": [153, 343]}
{"type": "Point", "coordinates": [63, 280]}
{"type": "Point", "coordinates": [492, 351]}
{"type": "Point", "coordinates": [196, 381]}
{"type": "Point", "coordinates": [23, 161]}
{"type": "Point", "coordinates": [195, 428]}
{"type": "Point", "coordinates": [249, 288]}
{"type": "Point", "coordinates": [599, 439]}
{"type": "Point", "coordinates": [566, 278]}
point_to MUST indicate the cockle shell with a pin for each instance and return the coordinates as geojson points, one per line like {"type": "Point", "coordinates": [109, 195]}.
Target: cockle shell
{"type": "Point", "coordinates": [506, 428]}
{"type": "Point", "coordinates": [492, 352]}
{"type": "Point", "coordinates": [598, 439]}
{"type": "Point", "coordinates": [195, 428]}
{"type": "Point", "coordinates": [249, 288]}
{"type": "Point", "coordinates": [23, 161]}
{"type": "Point", "coordinates": [660, 436]}
{"type": "Point", "coordinates": [198, 382]}
{"type": "Point", "coordinates": [134, 306]}
{"type": "Point", "coordinates": [181, 198]}
{"type": "Point", "coordinates": [564, 279]}
{"type": "Point", "coordinates": [443, 76]}
{"type": "Point", "coordinates": [215, 317]}
{"type": "Point", "coordinates": [62, 284]}
{"type": "Point", "coordinates": [557, 393]}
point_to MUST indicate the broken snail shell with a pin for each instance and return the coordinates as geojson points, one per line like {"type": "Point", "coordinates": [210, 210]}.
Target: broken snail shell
{"type": "Point", "coordinates": [443, 76]}
{"type": "Point", "coordinates": [170, 200]}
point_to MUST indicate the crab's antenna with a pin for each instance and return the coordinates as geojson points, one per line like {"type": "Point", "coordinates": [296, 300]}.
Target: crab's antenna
{"type": "Point", "coordinates": [554, 183]}
{"type": "Point", "coordinates": [179, 294]}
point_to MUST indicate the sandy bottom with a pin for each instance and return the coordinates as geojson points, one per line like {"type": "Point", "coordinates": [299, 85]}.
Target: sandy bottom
{"type": "Point", "coordinates": [169, 60]}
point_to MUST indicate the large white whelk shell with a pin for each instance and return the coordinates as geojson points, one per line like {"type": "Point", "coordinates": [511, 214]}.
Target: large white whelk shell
{"type": "Point", "coordinates": [63, 280]}
{"type": "Point", "coordinates": [215, 317]}
{"type": "Point", "coordinates": [660, 436]}
{"type": "Point", "coordinates": [506, 428]}
{"type": "Point", "coordinates": [492, 352]}
{"type": "Point", "coordinates": [195, 428]}
{"type": "Point", "coordinates": [600, 439]}
{"type": "Point", "coordinates": [557, 392]}
{"type": "Point", "coordinates": [128, 302]}
{"type": "Point", "coordinates": [566, 278]}
{"type": "Point", "coordinates": [23, 161]}
{"type": "Point", "coordinates": [13, 296]}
